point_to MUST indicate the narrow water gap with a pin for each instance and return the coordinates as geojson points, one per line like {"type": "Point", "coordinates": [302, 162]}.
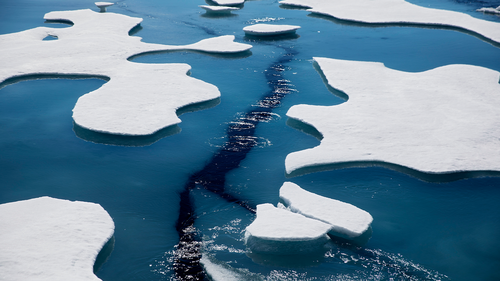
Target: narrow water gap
{"type": "Point", "coordinates": [240, 140]}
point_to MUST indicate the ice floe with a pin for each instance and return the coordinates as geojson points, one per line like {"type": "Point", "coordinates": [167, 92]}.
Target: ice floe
{"type": "Point", "coordinates": [279, 231]}
{"type": "Point", "coordinates": [346, 220]}
{"type": "Point", "coordinates": [51, 239]}
{"type": "Point", "coordinates": [229, 2]}
{"type": "Point", "coordinates": [437, 121]}
{"type": "Point", "coordinates": [263, 29]}
{"type": "Point", "coordinates": [218, 9]}
{"type": "Point", "coordinates": [398, 12]}
{"type": "Point", "coordinates": [490, 10]}
{"type": "Point", "coordinates": [103, 5]}
{"type": "Point", "coordinates": [139, 99]}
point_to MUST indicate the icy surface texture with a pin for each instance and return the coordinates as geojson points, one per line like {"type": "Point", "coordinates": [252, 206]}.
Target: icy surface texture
{"type": "Point", "coordinates": [139, 99]}
{"type": "Point", "coordinates": [279, 231]}
{"type": "Point", "coordinates": [438, 121]}
{"type": "Point", "coordinates": [229, 2]}
{"type": "Point", "coordinates": [397, 12]}
{"type": "Point", "coordinates": [270, 29]}
{"type": "Point", "coordinates": [218, 9]}
{"type": "Point", "coordinates": [51, 239]}
{"type": "Point", "coordinates": [347, 221]}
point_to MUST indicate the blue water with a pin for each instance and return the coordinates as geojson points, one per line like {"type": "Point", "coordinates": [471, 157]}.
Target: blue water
{"type": "Point", "coordinates": [421, 230]}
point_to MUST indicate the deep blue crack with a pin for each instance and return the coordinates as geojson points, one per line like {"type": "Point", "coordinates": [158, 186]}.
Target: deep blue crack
{"type": "Point", "coordinates": [240, 141]}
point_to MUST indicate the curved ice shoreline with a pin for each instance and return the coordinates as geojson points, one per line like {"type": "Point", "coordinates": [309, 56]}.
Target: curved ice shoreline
{"type": "Point", "coordinates": [139, 99]}
{"type": "Point", "coordinates": [52, 239]}
{"type": "Point", "coordinates": [439, 121]}
{"type": "Point", "coordinates": [397, 12]}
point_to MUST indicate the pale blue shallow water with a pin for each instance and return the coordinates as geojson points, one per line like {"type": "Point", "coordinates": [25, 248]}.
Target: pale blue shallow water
{"type": "Point", "coordinates": [421, 230]}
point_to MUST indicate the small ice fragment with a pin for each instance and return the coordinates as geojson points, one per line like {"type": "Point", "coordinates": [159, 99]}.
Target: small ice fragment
{"type": "Point", "coordinates": [279, 231]}
{"type": "Point", "coordinates": [264, 29]}
{"type": "Point", "coordinates": [103, 6]}
{"type": "Point", "coordinates": [229, 2]}
{"type": "Point", "coordinates": [347, 221]}
{"type": "Point", "coordinates": [218, 9]}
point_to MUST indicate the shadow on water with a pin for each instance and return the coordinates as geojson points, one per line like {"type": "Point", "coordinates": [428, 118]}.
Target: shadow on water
{"type": "Point", "coordinates": [280, 37]}
{"type": "Point", "coordinates": [213, 176]}
{"type": "Point", "coordinates": [27, 77]}
{"type": "Point", "coordinates": [239, 55]}
{"type": "Point", "coordinates": [120, 140]}
{"type": "Point", "coordinates": [423, 176]}
{"type": "Point", "coordinates": [104, 254]}
{"type": "Point", "coordinates": [401, 24]}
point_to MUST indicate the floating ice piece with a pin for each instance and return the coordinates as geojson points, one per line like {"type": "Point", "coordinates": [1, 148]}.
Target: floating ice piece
{"type": "Point", "coordinates": [139, 99]}
{"type": "Point", "coordinates": [490, 10]}
{"type": "Point", "coordinates": [103, 6]}
{"type": "Point", "coordinates": [229, 2]}
{"type": "Point", "coordinates": [51, 239]}
{"type": "Point", "coordinates": [263, 29]}
{"type": "Point", "coordinates": [279, 231]}
{"type": "Point", "coordinates": [439, 121]}
{"type": "Point", "coordinates": [218, 9]}
{"type": "Point", "coordinates": [347, 221]}
{"type": "Point", "coordinates": [398, 12]}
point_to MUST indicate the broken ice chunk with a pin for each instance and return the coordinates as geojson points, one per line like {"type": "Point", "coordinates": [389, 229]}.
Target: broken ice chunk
{"type": "Point", "coordinates": [264, 29]}
{"type": "Point", "coordinates": [281, 232]}
{"type": "Point", "coordinates": [103, 6]}
{"type": "Point", "coordinates": [347, 221]}
{"type": "Point", "coordinates": [218, 9]}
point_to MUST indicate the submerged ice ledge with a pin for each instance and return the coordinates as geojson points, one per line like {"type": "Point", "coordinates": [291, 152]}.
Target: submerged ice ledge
{"type": "Point", "coordinates": [139, 99]}
{"type": "Point", "coordinates": [442, 120]}
{"type": "Point", "coordinates": [398, 12]}
{"type": "Point", "coordinates": [52, 239]}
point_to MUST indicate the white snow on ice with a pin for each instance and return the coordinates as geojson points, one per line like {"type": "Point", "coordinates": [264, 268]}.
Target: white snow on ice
{"type": "Point", "coordinates": [218, 9]}
{"type": "Point", "coordinates": [103, 5]}
{"type": "Point", "coordinates": [140, 99]}
{"type": "Point", "coordinates": [397, 11]}
{"type": "Point", "coordinates": [264, 29]}
{"type": "Point", "coordinates": [51, 239]}
{"type": "Point", "coordinates": [229, 2]}
{"type": "Point", "coordinates": [347, 221]}
{"type": "Point", "coordinates": [279, 231]}
{"type": "Point", "coordinates": [437, 121]}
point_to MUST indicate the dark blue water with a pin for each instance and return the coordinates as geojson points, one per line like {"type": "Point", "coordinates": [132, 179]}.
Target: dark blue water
{"type": "Point", "coordinates": [421, 230]}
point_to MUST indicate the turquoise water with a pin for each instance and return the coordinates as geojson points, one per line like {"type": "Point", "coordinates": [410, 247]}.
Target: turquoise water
{"type": "Point", "coordinates": [421, 230]}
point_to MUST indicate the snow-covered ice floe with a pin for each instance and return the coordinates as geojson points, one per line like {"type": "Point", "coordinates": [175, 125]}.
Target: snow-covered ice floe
{"type": "Point", "coordinates": [51, 239]}
{"type": "Point", "coordinates": [264, 29]}
{"type": "Point", "coordinates": [229, 2]}
{"type": "Point", "coordinates": [347, 221]}
{"type": "Point", "coordinates": [218, 9]}
{"type": "Point", "coordinates": [281, 232]}
{"type": "Point", "coordinates": [398, 12]}
{"type": "Point", "coordinates": [438, 121]}
{"type": "Point", "coordinates": [103, 5]}
{"type": "Point", "coordinates": [139, 99]}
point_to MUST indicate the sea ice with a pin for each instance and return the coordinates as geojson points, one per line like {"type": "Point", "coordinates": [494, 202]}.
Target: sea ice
{"type": "Point", "coordinates": [279, 231]}
{"type": "Point", "coordinates": [139, 99]}
{"type": "Point", "coordinates": [346, 220]}
{"type": "Point", "coordinates": [218, 9]}
{"type": "Point", "coordinates": [229, 2]}
{"type": "Point", "coordinates": [397, 12]}
{"type": "Point", "coordinates": [103, 5]}
{"type": "Point", "coordinates": [490, 10]}
{"type": "Point", "coordinates": [263, 29]}
{"type": "Point", "coordinates": [51, 239]}
{"type": "Point", "coordinates": [437, 121]}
